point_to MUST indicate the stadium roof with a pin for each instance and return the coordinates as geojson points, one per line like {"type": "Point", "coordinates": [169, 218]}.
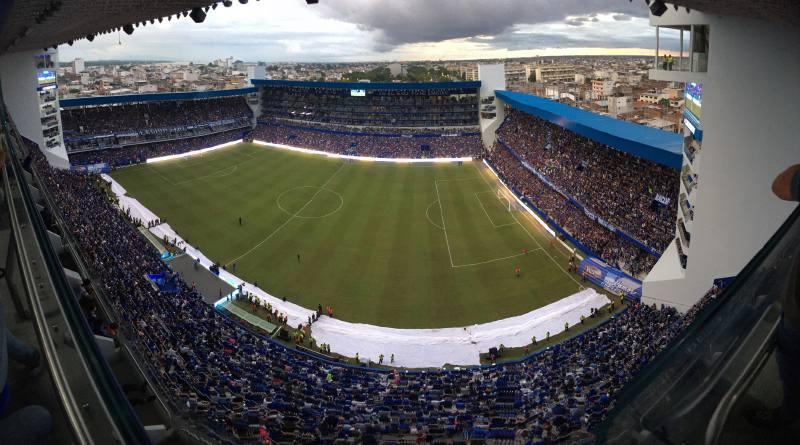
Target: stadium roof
{"type": "Point", "coordinates": [644, 142]}
{"type": "Point", "coordinates": [151, 97]}
{"type": "Point", "coordinates": [368, 85]}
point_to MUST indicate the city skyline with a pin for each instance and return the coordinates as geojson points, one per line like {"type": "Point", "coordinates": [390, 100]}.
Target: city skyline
{"type": "Point", "coordinates": [409, 30]}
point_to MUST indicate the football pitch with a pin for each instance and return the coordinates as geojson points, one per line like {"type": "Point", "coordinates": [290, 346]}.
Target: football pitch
{"type": "Point", "coordinates": [397, 245]}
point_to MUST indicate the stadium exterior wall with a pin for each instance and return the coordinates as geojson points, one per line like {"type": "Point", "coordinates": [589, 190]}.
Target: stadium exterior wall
{"type": "Point", "coordinates": [750, 134]}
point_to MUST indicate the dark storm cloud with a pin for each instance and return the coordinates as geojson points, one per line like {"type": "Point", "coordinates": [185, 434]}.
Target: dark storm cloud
{"type": "Point", "coordinates": [412, 21]}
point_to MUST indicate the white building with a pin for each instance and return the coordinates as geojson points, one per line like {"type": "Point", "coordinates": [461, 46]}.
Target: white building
{"type": "Point", "coordinates": [620, 105]}
{"type": "Point", "coordinates": [78, 66]}
{"type": "Point", "coordinates": [516, 76]}
{"type": "Point", "coordinates": [743, 131]}
{"type": "Point", "coordinates": [652, 98]}
{"type": "Point", "coordinates": [555, 73]}
{"type": "Point", "coordinates": [256, 72]}
{"type": "Point", "coordinates": [602, 88]}
{"type": "Point", "coordinates": [468, 72]}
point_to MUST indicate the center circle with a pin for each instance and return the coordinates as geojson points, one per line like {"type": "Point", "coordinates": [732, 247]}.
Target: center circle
{"type": "Point", "coordinates": [309, 202]}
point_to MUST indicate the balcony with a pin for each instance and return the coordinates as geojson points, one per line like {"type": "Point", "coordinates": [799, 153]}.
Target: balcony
{"type": "Point", "coordinates": [690, 148]}
{"type": "Point", "coordinates": [691, 61]}
{"type": "Point", "coordinates": [686, 208]}
{"type": "Point", "coordinates": [689, 179]}
{"type": "Point", "coordinates": [685, 236]}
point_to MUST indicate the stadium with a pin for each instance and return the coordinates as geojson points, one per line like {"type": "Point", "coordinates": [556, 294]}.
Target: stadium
{"type": "Point", "coordinates": [453, 262]}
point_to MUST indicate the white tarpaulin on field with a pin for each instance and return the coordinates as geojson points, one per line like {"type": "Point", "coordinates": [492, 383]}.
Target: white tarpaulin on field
{"type": "Point", "coordinates": [415, 348]}
{"type": "Point", "coordinates": [455, 346]}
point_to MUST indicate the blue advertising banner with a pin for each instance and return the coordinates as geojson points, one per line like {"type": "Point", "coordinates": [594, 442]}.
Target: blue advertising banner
{"type": "Point", "coordinates": [610, 278]}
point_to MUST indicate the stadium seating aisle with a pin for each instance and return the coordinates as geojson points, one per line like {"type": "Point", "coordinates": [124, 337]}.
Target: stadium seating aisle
{"type": "Point", "coordinates": [233, 380]}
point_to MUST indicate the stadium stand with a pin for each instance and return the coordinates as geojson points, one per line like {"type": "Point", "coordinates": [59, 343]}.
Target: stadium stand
{"type": "Point", "coordinates": [382, 143]}
{"type": "Point", "coordinates": [607, 245]}
{"type": "Point", "coordinates": [234, 381]}
{"type": "Point", "coordinates": [119, 125]}
{"type": "Point", "coordinates": [614, 185]}
{"type": "Point", "coordinates": [398, 106]}
{"type": "Point", "coordinates": [135, 154]}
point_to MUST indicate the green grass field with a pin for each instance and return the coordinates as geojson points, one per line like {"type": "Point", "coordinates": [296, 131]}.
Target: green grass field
{"type": "Point", "coordinates": [399, 245]}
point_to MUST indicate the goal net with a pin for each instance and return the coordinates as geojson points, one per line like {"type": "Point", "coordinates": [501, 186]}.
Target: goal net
{"type": "Point", "coordinates": [507, 199]}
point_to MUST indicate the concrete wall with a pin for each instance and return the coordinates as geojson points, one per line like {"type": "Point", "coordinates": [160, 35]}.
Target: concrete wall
{"type": "Point", "coordinates": [493, 78]}
{"type": "Point", "coordinates": [18, 81]}
{"type": "Point", "coordinates": [750, 134]}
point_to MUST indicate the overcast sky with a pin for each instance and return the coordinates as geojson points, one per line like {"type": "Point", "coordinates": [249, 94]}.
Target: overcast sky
{"type": "Point", "coordinates": [366, 30]}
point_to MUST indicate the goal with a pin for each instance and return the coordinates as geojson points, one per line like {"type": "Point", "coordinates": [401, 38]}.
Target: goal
{"type": "Point", "coordinates": [507, 199]}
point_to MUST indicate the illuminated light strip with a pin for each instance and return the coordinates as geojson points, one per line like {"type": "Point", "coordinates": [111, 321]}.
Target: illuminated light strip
{"type": "Point", "coordinates": [524, 206]}
{"type": "Point", "coordinates": [361, 158]}
{"type": "Point", "coordinates": [192, 153]}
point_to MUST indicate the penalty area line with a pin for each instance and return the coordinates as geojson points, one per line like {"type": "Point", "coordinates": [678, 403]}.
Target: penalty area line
{"type": "Point", "coordinates": [580, 286]}
{"type": "Point", "coordinates": [494, 260]}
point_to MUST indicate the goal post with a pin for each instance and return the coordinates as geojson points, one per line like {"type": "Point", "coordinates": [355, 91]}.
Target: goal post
{"type": "Point", "coordinates": [505, 198]}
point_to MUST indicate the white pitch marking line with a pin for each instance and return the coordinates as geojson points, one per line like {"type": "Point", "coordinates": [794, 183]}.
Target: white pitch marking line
{"type": "Point", "coordinates": [531, 236]}
{"type": "Point", "coordinates": [457, 179]}
{"type": "Point", "coordinates": [496, 259]}
{"type": "Point", "coordinates": [427, 215]}
{"type": "Point", "coordinates": [212, 175]}
{"type": "Point", "coordinates": [293, 216]}
{"type": "Point", "coordinates": [160, 174]}
{"type": "Point", "coordinates": [485, 212]}
{"type": "Point", "coordinates": [444, 226]}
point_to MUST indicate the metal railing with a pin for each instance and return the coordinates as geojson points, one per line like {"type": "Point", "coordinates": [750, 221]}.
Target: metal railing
{"type": "Point", "coordinates": [689, 392]}
{"type": "Point", "coordinates": [690, 58]}
{"type": "Point", "coordinates": [91, 400]}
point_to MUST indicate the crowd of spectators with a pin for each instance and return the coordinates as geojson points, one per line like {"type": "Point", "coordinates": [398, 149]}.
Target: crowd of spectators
{"type": "Point", "coordinates": [114, 126]}
{"type": "Point", "coordinates": [359, 143]}
{"type": "Point", "coordinates": [238, 383]}
{"type": "Point", "coordinates": [136, 154]}
{"type": "Point", "coordinates": [123, 118]}
{"type": "Point", "coordinates": [614, 185]}
{"type": "Point", "coordinates": [403, 108]}
{"type": "Point", "coordinates": [609, 246]}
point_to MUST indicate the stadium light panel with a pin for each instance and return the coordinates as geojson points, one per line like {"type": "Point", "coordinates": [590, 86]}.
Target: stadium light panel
{"type": "Point", "coordinates": [128, 29]}
{"type": "Point", "coordinates": [312, 2]}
